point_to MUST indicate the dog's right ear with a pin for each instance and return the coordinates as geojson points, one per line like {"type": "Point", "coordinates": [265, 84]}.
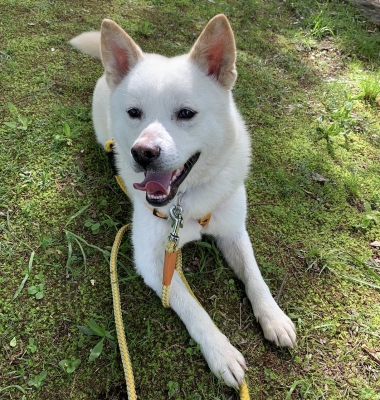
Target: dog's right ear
{"type": "Point", "coordinates": [119, 52]}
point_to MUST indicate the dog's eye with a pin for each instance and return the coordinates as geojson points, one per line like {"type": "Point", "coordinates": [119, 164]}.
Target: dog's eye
{"type": "Point", "coordinates": [185, 113]}
{"type": "Point", "coordinates": [134, 113]}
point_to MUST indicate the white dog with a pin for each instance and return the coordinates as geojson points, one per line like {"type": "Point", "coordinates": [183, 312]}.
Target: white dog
{"type": "Point", "coordinates": [176, 129]}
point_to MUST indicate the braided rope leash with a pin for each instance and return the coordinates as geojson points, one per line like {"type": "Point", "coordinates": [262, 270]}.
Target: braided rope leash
{"type": "Point", "coordinates": [124, 353]}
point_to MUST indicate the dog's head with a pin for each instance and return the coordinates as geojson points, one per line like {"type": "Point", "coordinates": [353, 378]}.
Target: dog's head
{"type": "Point", "coordinates": [172, 118]}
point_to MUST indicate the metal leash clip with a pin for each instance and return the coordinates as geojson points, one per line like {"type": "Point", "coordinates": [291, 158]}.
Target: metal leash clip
{"type": "Point", "coordinates": [175, 213]}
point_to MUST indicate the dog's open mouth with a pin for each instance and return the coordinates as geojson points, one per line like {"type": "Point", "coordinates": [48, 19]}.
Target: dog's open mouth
{"type": "Point", "coordinates": [161, 187]}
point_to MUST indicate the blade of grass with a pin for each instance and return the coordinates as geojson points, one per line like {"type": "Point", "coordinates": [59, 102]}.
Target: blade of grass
{"type": "Point", "coordinates": [22, 284]}
{"type": "Point", "coordinates": [79, 212]}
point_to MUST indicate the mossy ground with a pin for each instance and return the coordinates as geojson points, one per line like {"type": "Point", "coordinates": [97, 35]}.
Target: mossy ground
{"type": "Point", "coordinates": [308, 192]}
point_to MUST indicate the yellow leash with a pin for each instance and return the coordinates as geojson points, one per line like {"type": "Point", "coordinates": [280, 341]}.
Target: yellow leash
{"type": "Point", "coordinates": [125, 358]}
{"type": "Point", "coordinates": [173, 261]}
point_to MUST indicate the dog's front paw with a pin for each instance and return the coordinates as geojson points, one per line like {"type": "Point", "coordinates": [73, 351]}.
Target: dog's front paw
{"type": "Point", "coordinates": [224, 360]}
{"type": "Point", "coordinates": [277, 327]}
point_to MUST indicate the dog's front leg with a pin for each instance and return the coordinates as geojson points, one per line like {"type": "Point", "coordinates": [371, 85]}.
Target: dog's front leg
{"type": "Point", "coordinates": [237, 250]}
{"type": "Point", "coordinates": [223, 359]}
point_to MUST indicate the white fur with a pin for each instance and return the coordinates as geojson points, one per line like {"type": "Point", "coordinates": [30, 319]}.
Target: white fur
{"type": "Point", "coordinates": [160, 86]}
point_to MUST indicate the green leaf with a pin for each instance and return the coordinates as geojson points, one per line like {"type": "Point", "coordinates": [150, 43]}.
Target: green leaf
{"type": "Point", "coordinates": [96, 351]}
{"type": "Point", "coordinates": [33, 290]}
{"type": "Point", "coordinates": [32, 347]}
{"type": "Point", "coordinates": [69, 366]}
{"type": "Point", "coordinates": [13, 342]}
{"type": "Point", "coordinates": [79, 213]}
{"type": "Point", "coordinates": [204, 244]}
{"type": "Point", "coordinates": [11, 125]}
{"type": "Point", "coordinates": [22, 284]}
{"type": "Point", "coordinates": [95, 227]}
{"type": "Point", "coordinates": [38, 380]}
{"type": "Point", "coordinates": [367, 207]}
{"type": "Point", "coordinates": [66, 129]}
{"type": "Point", "coordinates": [13, 387]}
{"type": "Point", "coordinates": [99, 330]}
{"type": "Point", "coordinates": [39, 295]}
{"type": "Point", "coordinates": [12, 108]}
{"type": "Point", "coordinates": [24, 122]}
{"type": "Point", "coordinates": [86, 331]}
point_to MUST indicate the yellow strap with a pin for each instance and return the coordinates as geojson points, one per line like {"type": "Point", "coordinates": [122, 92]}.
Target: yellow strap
{"type": "Point", "coordinates": [124, 353]}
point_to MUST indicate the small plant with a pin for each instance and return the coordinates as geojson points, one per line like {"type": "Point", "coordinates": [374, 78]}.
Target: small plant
{"type": "Point", "coordinates": [230, 284]}
{"type": "Point", "coordinates": [145, 28]}
{"type": "Point", "coordinates": [338, 122]}
{"type": "Point", "coordinates": [26, 277]}
{"type": "Point", "coordinates": [38, 380]}
{"type": "Point", "coordinates": [31, 346]}
{"type": "Point", "coordinates": [370, 217]}
{"type": "Point", "coordinates": [67, 136]}
{"type": "Point", "coordinates": [94, 329]}
{"type": "Point", "coordinates": [370, 87]}
{"type": "Point", "coordinates": [37, 290]}
{"type": "Point", "coordinates": [193, 348]}
{"type": "Point", "coordinates": [19, 121]}
{"type": "Point", "coordinates": [320, 28]}
{"type": "Point", "coordinates": [69, 366]}
{"type": "Point", "coordinates": [95, 226]}
{"type": "Point", "coordinates": [173, 388]}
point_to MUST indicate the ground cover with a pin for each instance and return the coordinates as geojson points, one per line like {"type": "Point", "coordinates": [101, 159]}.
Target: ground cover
{"type": "Point", "coordinates": [308, 88]}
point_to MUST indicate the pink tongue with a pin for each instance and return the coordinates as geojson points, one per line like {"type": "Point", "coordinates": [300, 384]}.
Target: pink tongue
{"type": "Point", "coordinates": [155, 183]}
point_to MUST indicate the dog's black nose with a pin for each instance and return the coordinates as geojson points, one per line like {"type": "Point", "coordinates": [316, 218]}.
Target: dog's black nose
{"type": "Point", "coordinates": [144, 154]}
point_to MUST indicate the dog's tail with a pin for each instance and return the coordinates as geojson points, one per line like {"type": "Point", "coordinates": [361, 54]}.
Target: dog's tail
{"type": "Point", "coordinates": [88, 43]}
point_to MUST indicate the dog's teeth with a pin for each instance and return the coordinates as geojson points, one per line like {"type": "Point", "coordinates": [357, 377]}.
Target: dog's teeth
{"type": "Point", "coordinates": [161, 197]}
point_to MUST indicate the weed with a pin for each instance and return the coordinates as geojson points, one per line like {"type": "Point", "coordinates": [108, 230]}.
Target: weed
{"type": "Point", "coordinates": [230, 284]}
{"type": "Point", "coordinates": [317, 260]}
{"type": "Point", "coordinates": [145, 28]}
{"type": "Point", "coordinates": [38, 380]}
{"type": "Point", "coordinates": [369, 219]}
{"type": "Point", "coordinates": [19, 121]}
{"type": "Point", "coordinates": [210, 246]}
{"type": "Point", "coordinates": [193, 348]}
{"type": "Point", "coordinates": [173, 388]}
{"type": "Point", "coordinates": [370, 88]}
{"type": "Point", "coordinates": [338, 122]}
{"type": "Point", "coordinates": [95, 226]}
{"type": "Point", "coordinates": [26, 277]}
{"type": "Point", "coordinates": [68, 135]}
{"type": "Point", "coordinates": [94, 329]}
{"type": "Point", "coordinates": [37, 290]}
{"type": "Point", "coordinates": [69, 366]}
{"type": "Point", "coordinates": [320, 27]}
{"type": "Point", "coordinates": [31, 346]}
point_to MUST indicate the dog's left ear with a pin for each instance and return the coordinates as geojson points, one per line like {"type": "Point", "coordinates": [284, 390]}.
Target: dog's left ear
{"type": "Point", "coordinates": [215, 52]}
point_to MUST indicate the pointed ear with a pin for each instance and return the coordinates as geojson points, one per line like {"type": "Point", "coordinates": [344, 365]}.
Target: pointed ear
{"type": "Point", "coordinates": [119, 52]}
{"type": "Point", "coordinates": [215, 53]}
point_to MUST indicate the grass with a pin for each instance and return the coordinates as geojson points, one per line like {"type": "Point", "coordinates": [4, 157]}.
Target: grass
{"type": "Point", "coordinates": [314, 203]}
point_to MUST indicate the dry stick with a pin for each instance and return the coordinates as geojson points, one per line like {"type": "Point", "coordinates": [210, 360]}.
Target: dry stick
{"type": "Point", "coordinates": [372, 355]}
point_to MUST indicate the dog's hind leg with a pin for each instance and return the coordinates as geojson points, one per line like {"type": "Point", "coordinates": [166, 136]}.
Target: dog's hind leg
{"type": "Point", "coordinates": [237, 250]}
